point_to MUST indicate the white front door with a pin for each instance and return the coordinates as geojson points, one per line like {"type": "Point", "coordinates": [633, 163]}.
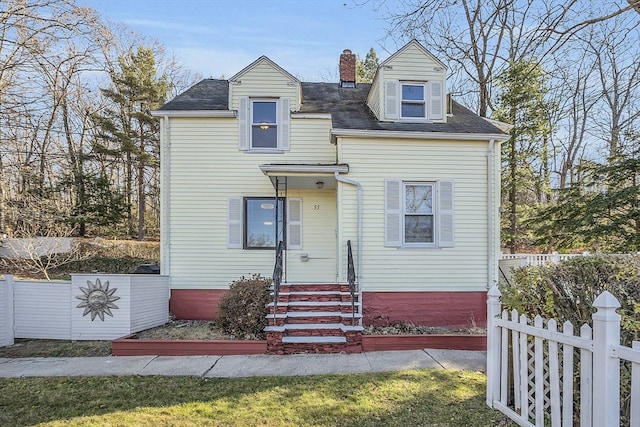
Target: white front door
{"type": "Point", "coordinates": [316, 260]}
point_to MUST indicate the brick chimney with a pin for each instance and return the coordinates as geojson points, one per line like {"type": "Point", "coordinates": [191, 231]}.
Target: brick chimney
{"type": "Point", "coordinates": [347, 69]}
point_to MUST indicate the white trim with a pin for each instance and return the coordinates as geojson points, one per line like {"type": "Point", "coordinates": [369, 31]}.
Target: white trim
{"type": "Point", "coordinates": [193, 113]}
{"type": "Point", "coordinates": [323, 116]}
{"type": "Point", "coordinates": [267, 169]}
{"type": "Point", "coordinates": [417, 44]}
{"type": "Point", "coordinates": [258, 61]}
{"type": "Point", "coordinates": [417, 135]}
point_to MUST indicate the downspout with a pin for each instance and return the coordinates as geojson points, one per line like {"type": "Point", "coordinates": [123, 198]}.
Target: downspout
{"type": "Point", "coordinates": [491, 200]}
{"type": "Point", "coordinates": [340, 178]}
{"type": "Point", "coordinates": [165, 163]}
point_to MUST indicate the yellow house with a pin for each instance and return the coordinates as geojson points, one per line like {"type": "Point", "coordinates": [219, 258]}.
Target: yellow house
{"type": "Point", "coordinates": [410, 177]}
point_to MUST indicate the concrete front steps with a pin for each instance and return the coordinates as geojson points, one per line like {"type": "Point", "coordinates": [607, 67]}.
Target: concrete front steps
{"type": "Point", "coordinates": [314, 318]}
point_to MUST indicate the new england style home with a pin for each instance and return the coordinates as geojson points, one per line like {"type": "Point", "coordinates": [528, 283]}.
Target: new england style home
{"type": "Point", "coordinates": [410, 177]}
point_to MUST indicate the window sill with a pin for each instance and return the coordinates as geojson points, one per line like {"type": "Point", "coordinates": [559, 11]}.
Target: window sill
{"type": "Point", "coordinates": [264, 151]}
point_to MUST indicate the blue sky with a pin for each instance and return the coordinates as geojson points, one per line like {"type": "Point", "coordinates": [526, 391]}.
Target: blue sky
{"type": "Point", "coordinates": [220, 37]}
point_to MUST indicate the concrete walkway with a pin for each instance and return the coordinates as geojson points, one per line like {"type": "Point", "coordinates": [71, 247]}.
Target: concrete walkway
{"type": "Point", "coordinates": [243, 366]}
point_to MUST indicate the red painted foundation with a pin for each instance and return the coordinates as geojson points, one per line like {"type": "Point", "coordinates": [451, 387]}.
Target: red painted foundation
{"type": "Point", "coordinates": [447, 309]}
{"type": "Point", "coordinates": [195, 304]}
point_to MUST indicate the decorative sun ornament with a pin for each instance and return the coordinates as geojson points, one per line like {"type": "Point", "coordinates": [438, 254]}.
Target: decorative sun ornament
{"type": "Point", "coordinates": [97, 299]}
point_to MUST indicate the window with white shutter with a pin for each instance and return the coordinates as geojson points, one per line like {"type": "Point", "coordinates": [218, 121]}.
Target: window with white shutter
{"type": "Point", "coordinates": [258, 223]}
{"type": "Point", "coordinates": [234, 222]}
{"type": "Point", "coordinates": [392, 212]}
{"type": "Point", "coordinates": [419, 214]}
{"type": "Point", "coordinates": [264, 124]}
{"type": "Point", "coordinates": [413, 101]}
{"type": "Point", "coordinates": [436, 100]}
{"type": "Point", "coordinates": [294, 223]}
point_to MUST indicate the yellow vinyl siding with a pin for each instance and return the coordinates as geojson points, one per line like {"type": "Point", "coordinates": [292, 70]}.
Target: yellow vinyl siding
{"type": "Point", "coordinates": [409, 65]}
{"type": "Point", "coordinates": [264, 81]}
{"type": "Point", "coordinates": [206, 168]}
{"type": "Point", "coordinates": [413, 64]}
{"type": "Point", "coordinates": [461, 268]}
{"type": "Point", "coordinates": [374, 98]}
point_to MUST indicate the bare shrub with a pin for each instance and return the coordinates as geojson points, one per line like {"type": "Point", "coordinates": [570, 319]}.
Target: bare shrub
{"type": "Point", "coordinates": [243, 308]}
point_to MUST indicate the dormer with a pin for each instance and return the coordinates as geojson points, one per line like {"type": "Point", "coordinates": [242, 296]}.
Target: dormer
{"type": "Point", "coordinates": [264, 94]}
{"type": "Point", "coordinates": [409, 86]}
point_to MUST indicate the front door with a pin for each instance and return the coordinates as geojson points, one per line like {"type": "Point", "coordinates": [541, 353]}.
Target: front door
{"type": "Point", "coordinates": [315, 261]}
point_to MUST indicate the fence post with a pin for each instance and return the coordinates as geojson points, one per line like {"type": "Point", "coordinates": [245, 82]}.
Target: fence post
{"type": "Point", "coordinates": [606, 372]}
{"type": "Point", "coordinates": [556, 257]}
{"type": "Point", "coordinates": [494, 307]}
{"type": "Point", "coordinates": [7, 335]}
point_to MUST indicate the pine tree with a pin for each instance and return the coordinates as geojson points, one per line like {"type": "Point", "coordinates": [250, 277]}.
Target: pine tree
{"type": "Point", "coordinates": [525, 182]}
{"type": "Point", "coordinates": [366, 70]}
{"type": "Point", "coordinates": [129, 132]}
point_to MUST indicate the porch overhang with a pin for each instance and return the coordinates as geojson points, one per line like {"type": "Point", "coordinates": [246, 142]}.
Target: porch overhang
{"type": "Point", "coordinates": [300, 176]}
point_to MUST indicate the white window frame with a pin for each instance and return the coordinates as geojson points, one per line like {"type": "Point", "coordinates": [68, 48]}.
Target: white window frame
{"type": "Point", "coordinates": [443, 194]}
{"type": "Point", "coordinates": [270, 124]}
{"type": "Point", "coordinates": [245, 125]}
{"type": "Point", "coordinates": [424, 102]}
{"type": "Point", "coordinates": [434, 212]}
{"type": "Point", "coordinates": [433, 100]}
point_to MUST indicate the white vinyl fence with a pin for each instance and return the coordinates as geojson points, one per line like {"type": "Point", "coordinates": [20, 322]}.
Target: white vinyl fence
{"type": "Point", "coordinates": [530, 368]}
{"type": "Point", "coordinates": [540, 259]}
{"type": "Point", "coordinates": [90, 307]}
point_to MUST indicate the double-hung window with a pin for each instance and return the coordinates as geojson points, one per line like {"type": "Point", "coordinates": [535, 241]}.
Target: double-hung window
{"type": "Point", "coordinates": [413, 101]}
{"type": "Point", "coordinates": [419, 214]}
{"type": "Point", "coordinates": [264, 124]}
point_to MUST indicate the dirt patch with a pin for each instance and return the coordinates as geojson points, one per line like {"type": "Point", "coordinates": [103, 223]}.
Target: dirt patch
{"type": "Point", "coordinates": [185, 330]}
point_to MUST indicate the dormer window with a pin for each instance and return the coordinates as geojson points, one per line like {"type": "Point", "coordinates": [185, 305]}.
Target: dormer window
{"type": "Point", "coordinates": [413, 101]}
{"type": "Point", "coordinates": [264, 124]}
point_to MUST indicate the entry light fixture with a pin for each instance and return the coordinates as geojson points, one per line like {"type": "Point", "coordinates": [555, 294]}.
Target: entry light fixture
{"type": "Point", "coordinates": [320, 184]}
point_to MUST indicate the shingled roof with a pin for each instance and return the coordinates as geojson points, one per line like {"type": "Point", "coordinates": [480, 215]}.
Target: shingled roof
{"type": "Point", "coordinates": [347, 107]}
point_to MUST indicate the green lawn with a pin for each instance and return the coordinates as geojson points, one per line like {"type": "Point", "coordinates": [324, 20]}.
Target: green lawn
{"type": "Point", "coordinates": [408, 398]}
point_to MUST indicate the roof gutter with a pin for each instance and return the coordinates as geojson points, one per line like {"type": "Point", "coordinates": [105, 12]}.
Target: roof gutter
{"type": "Point", "coordinates": [344, 180]}
{"type": "Point", "coordinates": [193, 113]}
{"type": "Point", "coordinates": [367, 133]}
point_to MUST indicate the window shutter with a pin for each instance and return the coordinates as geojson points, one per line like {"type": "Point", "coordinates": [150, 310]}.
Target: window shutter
{"type": "Point", "coordinates": [445, 214]}
{"type": "Point", "coordinates": [244, 124]}
{"type": "Point", "coordinates": [392, 212]}
{"type": "Point", "coordinates": [284, 124]}
{"type": "Point", "coordinates": [234, 223]}
{"type": "Point", "coordinates": [294, 223]}
{"type": "Point", "coordinates": [435, 110]}
{"type": "Point", "coordinates": [391, 99]}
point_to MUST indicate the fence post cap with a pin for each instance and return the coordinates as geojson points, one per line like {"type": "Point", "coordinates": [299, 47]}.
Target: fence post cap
{"type": "Point", "coordinates": [606, 300]}
{"type": "Point", "coordinates": [494, 292]}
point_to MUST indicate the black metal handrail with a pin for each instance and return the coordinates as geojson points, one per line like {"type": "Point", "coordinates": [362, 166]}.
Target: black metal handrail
{"type": "Point", "coordinates": [351, 279]}
{"type": "Point", "coordinates": [277, 278]}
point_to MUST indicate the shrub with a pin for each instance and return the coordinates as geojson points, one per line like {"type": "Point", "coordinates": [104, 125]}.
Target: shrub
{"type": "Point", "coordinates": [566, 291]}
{"type": "Point", "coordinates": [243, 308]}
